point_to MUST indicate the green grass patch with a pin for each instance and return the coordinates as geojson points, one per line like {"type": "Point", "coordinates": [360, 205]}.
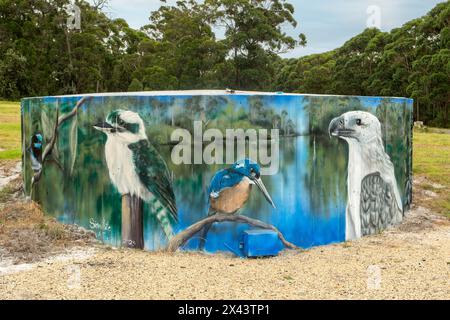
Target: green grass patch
{"type": "Point", "coordinates": [11, 154]}
{"type": "Point", "coordinates": [431, 156]}
{"type": "Point", "coordinates": [10, 130]}
{"type": "Point", "coordinates": [432, 160]}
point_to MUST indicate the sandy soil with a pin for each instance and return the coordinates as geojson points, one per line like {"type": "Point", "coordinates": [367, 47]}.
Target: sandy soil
{"type": "Point", "coordinates": [9, 171]}
{"type": "Point", "coordinates": [409, 261]}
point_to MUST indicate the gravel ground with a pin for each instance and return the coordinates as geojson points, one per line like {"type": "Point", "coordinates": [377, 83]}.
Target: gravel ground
{"type": "Point", "coordinates": [41, 259]}
{"type": "Point", "coordinates": [411, 261]}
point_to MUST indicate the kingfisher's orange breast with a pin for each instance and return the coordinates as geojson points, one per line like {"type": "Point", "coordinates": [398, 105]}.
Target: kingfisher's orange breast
{"type": "Point", "coordinates": [232, 199]}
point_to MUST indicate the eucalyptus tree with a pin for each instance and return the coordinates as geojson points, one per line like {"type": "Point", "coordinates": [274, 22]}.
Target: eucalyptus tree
{"type": "Point", "coordinates": [254, 32]}
{"type": "Point", "coordinates": [186, 49]}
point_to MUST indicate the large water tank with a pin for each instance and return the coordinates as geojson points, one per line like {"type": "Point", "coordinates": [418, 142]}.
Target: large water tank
{"type": "Point", "coordinates": [136, 168]}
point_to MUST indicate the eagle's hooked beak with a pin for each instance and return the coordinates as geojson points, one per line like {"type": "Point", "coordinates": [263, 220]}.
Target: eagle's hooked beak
{"type": "Point", "coordinates": [104, 127]}
{"type": "Point", "coordinates": [263, 189]}
{"type": "Point", "coordinates": [334, 126]}
{"type": "Point", "coordinates": [337, 128]}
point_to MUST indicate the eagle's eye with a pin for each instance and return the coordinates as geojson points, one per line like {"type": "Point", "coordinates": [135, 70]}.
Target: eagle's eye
{"type": "Point", "coordinates": [358, 122]}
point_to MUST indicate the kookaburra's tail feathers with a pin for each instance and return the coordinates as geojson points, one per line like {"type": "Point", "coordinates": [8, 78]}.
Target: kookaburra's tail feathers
{"type": "Point", "coordinates": [163, 215]}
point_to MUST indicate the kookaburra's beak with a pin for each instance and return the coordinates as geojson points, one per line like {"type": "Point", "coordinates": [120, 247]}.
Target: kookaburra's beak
{"type": "Point", "coordinates": [337, 128]}
{"type": "Point", "coordinates": [104, 127]}
{"type": "Point", "coordinates": [263, 189]}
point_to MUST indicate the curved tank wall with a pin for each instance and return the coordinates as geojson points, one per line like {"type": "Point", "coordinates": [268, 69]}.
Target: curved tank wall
{"type": "Point", "coordinates": [137, 168]}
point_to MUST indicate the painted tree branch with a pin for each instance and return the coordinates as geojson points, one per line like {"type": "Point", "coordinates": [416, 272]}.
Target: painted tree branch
{"type": "Point", "coordinates": [49, 147]}
{"type": "Point", "coordinates": [181, 238]}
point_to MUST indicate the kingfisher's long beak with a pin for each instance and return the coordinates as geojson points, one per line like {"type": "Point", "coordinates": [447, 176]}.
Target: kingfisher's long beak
{"type": "Point", "coordinates": [103, 126]}
{"type": "Point", "coordinates": [337, 128]}
{"type": "Point", "coordinates": [263, 189]}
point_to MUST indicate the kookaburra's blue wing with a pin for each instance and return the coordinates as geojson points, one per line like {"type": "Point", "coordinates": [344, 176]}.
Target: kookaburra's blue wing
{"type": "Point", "coordinates": [154, 174]}
{"type": "Point", "coordinates": [378, 207]}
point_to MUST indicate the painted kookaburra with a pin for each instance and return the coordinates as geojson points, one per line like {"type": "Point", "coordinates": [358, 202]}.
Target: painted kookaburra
{"type": "Point", "coordinates": [374, 202]}
{"type": "Point", "coordinates": [136, 168]}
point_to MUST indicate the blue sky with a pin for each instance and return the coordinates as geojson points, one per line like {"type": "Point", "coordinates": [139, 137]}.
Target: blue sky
{"type": "Point", "coordinates": [326, 23]}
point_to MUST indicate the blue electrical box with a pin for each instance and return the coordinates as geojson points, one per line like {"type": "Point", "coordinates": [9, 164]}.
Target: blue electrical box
{"type": "Point", "coordinates": [260, 243]}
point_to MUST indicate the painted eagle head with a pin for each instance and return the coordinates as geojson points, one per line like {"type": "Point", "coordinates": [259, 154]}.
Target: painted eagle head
{"type": "Point", "coordinates": [359, 126]}
{"type": "Point", "coordinates": [124, 125]}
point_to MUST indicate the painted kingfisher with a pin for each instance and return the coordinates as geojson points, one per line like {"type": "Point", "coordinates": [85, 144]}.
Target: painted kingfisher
{"type": "Point", "coordinates": [36, 152]}
{"type": "Point", "coordinates": [230, 189]}
{"type": "Point", "coordinates": [136, 168]}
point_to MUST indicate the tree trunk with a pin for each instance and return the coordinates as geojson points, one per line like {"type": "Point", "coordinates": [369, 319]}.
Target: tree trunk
{"type": "Point", "coordinates": [132, 222]}
{"type": "Point", "coordinates": [418, 110]}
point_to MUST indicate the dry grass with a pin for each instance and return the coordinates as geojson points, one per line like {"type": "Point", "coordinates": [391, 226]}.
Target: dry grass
{"type": "Point", "coordinates": [26, 235]}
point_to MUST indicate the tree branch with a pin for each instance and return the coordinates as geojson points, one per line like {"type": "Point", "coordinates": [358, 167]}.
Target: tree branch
{"type": "Point", "coordinates": [181, 238]}
{"type": "Point", "coordinates": [49, 147]}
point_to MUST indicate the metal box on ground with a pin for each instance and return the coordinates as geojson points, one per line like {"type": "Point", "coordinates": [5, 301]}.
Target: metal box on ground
{"type": "Point", "coordinates": [260, 243]}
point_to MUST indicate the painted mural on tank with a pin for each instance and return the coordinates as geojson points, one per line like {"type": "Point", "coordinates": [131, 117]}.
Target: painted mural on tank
{"type": "Point", "coordinates": [194, 170]}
